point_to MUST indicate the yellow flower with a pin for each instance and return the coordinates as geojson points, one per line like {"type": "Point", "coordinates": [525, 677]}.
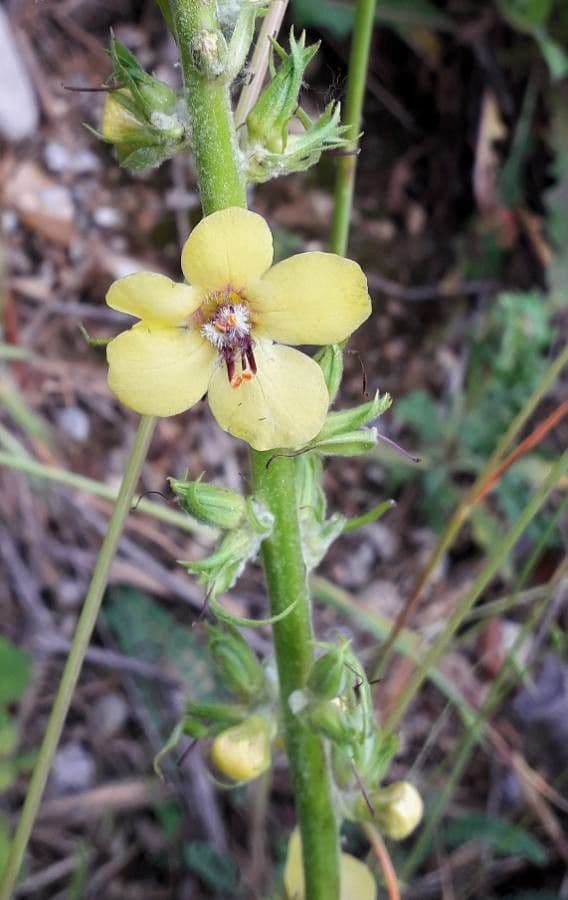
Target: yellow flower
{"type": "Point", "coordinates": [217, 334]}
{"type": "Point", "coordinates": [357, 882]}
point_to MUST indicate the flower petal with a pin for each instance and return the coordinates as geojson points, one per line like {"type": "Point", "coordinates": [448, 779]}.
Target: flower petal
{"type": "Point", "coordinates": [311, 298]}
{"type": "Point", "coordinates": [284, 405]}
{"type": "Point", "coordinates": [229, 247]}
{"type": "Point", "coordinates": [154, 298]}
{"type": "Point", "coordinates": [159, 371]}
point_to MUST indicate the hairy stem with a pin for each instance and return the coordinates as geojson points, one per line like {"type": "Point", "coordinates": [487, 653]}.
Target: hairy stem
{"type": "Point", "coordinates": [345, 180]}
{"type": "Point", "coordinates": [214, 140]}
{"type": "Point", "coordinates": [76, 656]}
{"type": "Point", "coordinates": [222, 184]}
{"type": "Point", "coordinates": [287, 581]}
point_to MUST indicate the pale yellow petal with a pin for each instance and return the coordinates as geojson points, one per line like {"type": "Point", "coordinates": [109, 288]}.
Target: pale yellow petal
{"type": "Point", "coordinates": [284, 405]}
{"type": "Point", "coordinates": [357, 882]}
{"type": "Point", "coordinates": [159, 371]}
{"type": "Point", "coordinates": [228, 248]}
{"type": "Point", "coordinates": [311, 298]}
{"type": "Point", "coordinates": [154, 298]}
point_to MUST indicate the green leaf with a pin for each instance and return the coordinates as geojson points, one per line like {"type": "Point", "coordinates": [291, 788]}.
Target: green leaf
{"type": "Point", "coordinates": [554, 55]}
{"type": "Point", "coordinates": [15, 670]}
{"type": "Point", "coordinates": [526, 14]}
{"type": "Point", "coordinates": [217, 871]}
{"type": "Point", "coordinates": [334, 17]}
{"type": "Point", "coordinates": [504, 838]}
{"type": "Point", "coordinates": [337, 17]}
{"type": "Point", "coordinates": [145, 630]}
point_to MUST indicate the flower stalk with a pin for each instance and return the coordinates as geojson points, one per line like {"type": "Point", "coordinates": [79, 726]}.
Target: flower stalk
{"type": "Point", "coordinates": [81, 640]}
{"type": "Point", "coordinates": [347, 165]}
{"type": "Point", "coordinates": [221, 182]}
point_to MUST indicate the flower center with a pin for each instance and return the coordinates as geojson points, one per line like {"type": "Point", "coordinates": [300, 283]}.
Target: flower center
{"type": "Point", "coordinates": [229, 330]}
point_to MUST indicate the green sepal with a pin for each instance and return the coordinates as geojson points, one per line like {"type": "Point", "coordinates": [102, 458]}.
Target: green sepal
{"type": "Point", "coordinates": [347, 420]}
{"type": "Point", "coordinates": [302, 150]}
{"type": "Point", "coordinates": [149, 94]}
{"type": "Point", "coordinates": [352, 443]}
{"type": "Point", "coordinates": [206, 719]}
{"type": "Point", "coordinates": [220, 570]}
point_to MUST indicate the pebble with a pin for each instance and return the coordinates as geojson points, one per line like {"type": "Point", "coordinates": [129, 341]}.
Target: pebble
{"type": "Point", "coordinates": [18, 105]}
{"type": "Point", "coordinates": [384, 539]}
{"type": "Point", "coordinates": [74, 422]}
{"type": "Point", "coordinates": [73, 769]}
{"type": "Point", "coordinates": [109, 715]}
{"type": "Point", "coordinates": [107, 217]}
{"type": "Point", "coordinates": [58, 160]}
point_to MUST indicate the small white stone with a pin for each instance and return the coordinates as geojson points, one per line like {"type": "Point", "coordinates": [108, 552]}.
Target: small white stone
{"type": "Point", "coordinates": [109, 715]}
{"type": "Point", "coordinates": [74, 422]}
{"type": "Point", "coordinates": [107, 217]}
{"type": "Point", "coordinates": [9, 221]}
{"type": "Point", "coordinates": [56, 157]}
{"type": "Point", "coordinates": [18, 105]}
{"type": "Point", "coordinates": [73, 769]}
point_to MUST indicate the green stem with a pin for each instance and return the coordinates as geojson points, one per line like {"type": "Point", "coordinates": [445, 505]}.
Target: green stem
{"type": "Point", "coordinates": [222, 184]}
{"type": "Point", "coordinates": [347, 165]}
{"type": "Point", "coordinates": [214, 140]}
{"type": "Point", "coordinates": [293, 636]}
{"type": "Point", "coordinates": [76, 656]}
{"type": "Point", "coordinates": [493, 564]}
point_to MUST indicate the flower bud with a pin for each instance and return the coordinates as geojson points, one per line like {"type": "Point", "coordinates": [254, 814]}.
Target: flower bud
{"type": "Point", "coordinates": [357, 882]}
{"type": "Point", "coordinates": [267, 122]}
{"type": "Point", "coordinates": [327, 675]}
{"type": "Point", "coordinates": [140, 118]}
{"type": "Point", "coordinates": [209, 503]}
{"type": "Point", "coordinates": [331, 719]}
{"type": "Point", "coordinates": [398, 809]}
{"type": "Point", "coordinates": [330, 361]}
{"type": "Point", "coordinates": [242, 752]}
{"type": "Point", "coordinates": [119, 125]}
{"type": "Point", "coordinates": [240, 669]}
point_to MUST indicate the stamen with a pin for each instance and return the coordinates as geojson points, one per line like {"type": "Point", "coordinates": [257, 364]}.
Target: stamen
{"type": "Point", "coordinates": [229, 330]}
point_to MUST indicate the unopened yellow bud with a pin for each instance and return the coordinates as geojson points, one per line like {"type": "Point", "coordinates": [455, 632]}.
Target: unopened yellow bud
{"type": "Point", "coordinates": [118, 122]}
{"type": "Point", "coordinates": [398, 809]}
{"type": "Point", "coordinates": [242, 752]}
